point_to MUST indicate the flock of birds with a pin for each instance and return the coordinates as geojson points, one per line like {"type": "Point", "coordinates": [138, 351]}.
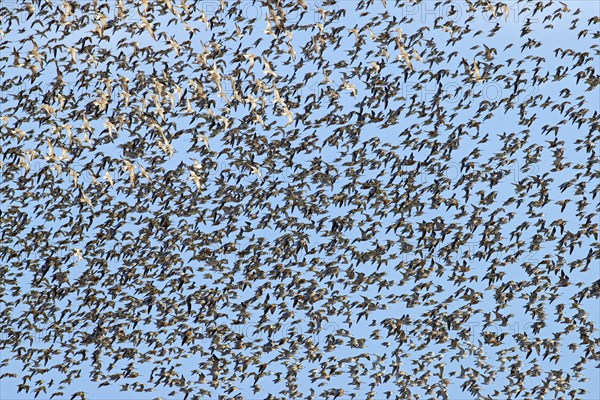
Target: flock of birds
{"type": "Point", "coordinates": [295, 199]}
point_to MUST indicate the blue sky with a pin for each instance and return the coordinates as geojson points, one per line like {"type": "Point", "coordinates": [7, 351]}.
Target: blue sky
{"type": "Point", "coordinates": [231, 251]}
